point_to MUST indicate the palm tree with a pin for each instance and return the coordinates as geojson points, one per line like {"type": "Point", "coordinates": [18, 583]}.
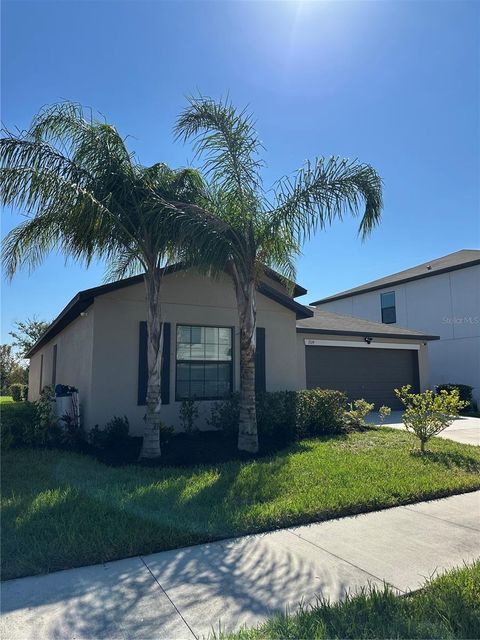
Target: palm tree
{"type": "Point", "coordinates": [84, 194]}
{"type": "Point", "coordinates": [243, 228]}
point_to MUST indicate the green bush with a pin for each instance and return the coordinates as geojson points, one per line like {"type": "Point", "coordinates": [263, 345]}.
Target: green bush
{"type": "Point", "coordinates": [464, 392]}
{"type": "Point", "coordinates": [286, 415]}
{"type": "Point", "coordinates": [225, 415]}
{"type": "Point", "coordinates": [17, 391]}
{"type": "Point", "coordinates": [354, 416]}
{"type": "Point", "coordinates": [114, 435]}
{"type": "Point", "coordinates": [427, 414]}
{"type": "Point", "coordinates": [320, 412]}
{"type": "Point", "coordinates": [17, 424]}
{"type": "Point", "coordinates": [188, 415]}
{"type": "Point", "coordinates": [30, 424]}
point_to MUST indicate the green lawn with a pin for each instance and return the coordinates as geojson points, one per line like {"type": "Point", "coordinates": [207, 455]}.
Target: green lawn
{"type": "Point", "coordinates": [6, 399]}
{"type": "Point", "coordinates": [62, 510]}
{"type": "Point", "coordinates": [447, 607]}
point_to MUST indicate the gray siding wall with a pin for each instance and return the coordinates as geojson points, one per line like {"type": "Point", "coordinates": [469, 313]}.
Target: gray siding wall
{"type": "Point", "coordinates": [447, 305]}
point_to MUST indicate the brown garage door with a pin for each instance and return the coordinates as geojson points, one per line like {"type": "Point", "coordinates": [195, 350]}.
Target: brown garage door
{"type": "Point", "coordinates": [372, 374]}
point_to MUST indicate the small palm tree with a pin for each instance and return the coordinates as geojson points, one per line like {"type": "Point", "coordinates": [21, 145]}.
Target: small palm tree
{"type": "Point", "coordinates": [243, 228]}
{"type": "Point", "coordinates": [85, 195]}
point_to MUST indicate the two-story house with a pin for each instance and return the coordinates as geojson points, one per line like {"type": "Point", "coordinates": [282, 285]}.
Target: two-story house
{"type": "Point", "coordinates": [440, 297]}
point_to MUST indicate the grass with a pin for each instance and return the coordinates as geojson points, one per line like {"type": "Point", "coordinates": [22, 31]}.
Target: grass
{"type": "Point", "coordinates": [61, 509]}
{"type": "Point", "coordinates": [6, 399]}
{"type": "Point", "coordinates": [447, 607]}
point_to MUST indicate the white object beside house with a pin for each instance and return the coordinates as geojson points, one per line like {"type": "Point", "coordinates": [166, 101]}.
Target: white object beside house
{"type": "Point", "coordinates": [440, 297]}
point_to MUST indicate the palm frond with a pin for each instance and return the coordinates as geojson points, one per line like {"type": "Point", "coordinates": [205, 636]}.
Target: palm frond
{"type": "Point", "coordinates": [325, 190]}
{"type": "Point", "coordinates": [227, 142]}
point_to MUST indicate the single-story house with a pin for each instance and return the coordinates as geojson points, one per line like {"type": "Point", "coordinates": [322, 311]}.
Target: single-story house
{"type": "Point", "coordinates": [98, 345]}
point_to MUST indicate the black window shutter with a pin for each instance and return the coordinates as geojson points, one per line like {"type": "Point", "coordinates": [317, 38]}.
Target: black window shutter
{"type": "Point", "coordinates": [260, 371]}
{"type": "Point", "coordinates": [143, 365]}
{"type": "Point", "coordinates": [165, 384]}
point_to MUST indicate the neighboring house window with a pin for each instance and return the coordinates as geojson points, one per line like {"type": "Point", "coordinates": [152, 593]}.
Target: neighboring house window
{"type": "Point", "coordinates": [54, 365]}
{"type": "Point", "coordinates": [40, 386]}
{"type": "Point", "coordinates": [204, 368]}
{"type": "Point", "coordinates": [389, 315]}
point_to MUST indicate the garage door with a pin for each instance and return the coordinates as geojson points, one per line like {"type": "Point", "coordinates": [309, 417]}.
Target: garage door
{"type": "Point", "coordinates": [367, 373]}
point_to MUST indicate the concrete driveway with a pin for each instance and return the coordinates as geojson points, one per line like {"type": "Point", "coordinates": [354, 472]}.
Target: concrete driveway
{"type": "Point", "coordinates": [185, 593]}
{"type": "Point", "coordinates": [464, 429]}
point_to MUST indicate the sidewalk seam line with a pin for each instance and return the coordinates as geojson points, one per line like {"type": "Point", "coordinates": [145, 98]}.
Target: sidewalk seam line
{"type": "Point", "coordinates": [429, 515]}
{"type": "Point", "coordinates": [169, 598]}
{"type": "Point", "coordinates": [346, 561]}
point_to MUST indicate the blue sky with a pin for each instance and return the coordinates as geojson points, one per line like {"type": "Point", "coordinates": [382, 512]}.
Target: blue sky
{"type": "Point", "coordinates": [393, 83]}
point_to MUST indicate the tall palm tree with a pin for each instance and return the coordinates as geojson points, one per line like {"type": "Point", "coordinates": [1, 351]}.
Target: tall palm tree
{"type": "Point", "coordinates": [243, 227]}
{"type": "Point", "coordinates": [84, 194]}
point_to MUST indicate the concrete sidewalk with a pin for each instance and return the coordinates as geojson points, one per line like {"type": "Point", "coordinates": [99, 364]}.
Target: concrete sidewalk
{"type": "Point", "coordinates": [185, 592]}
{"type": "Point", "coordinates": [464, 429]}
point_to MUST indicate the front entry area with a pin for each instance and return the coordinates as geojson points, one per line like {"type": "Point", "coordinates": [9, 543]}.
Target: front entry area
{"type": "Point", "coordinates": [365, 372]}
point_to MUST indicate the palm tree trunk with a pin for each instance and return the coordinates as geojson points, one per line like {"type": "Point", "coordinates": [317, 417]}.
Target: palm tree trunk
{"type": "Point", "coordinates": [247, 430]}
{"type": "Point", "coordinates": [151, 432]}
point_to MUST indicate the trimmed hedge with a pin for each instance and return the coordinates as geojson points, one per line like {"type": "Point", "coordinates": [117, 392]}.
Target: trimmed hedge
{"type": "Point", "coordinates": [286, 415]}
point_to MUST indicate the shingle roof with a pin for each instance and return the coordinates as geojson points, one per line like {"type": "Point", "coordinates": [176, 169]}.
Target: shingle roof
{"type": "Point", "coordinates": [85, 298]}
{"type": "Point", "coordinates": [326, 322]}
{"type": "Point", "coordinates": [451, 262]}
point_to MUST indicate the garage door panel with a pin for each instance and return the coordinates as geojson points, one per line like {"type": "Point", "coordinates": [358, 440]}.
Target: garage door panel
{"type": "Point", "coordinates": [372, 374]}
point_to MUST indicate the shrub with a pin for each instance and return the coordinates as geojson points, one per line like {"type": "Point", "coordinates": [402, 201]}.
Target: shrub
{"type": "Point", "coordinates": [18, 424]}
{"type": "Point", "coordinates": [319, 412]}
{"type": "Point", "coordinates": [384, 412]}
{"type": "Point", "coordinates": [285, 416]}
{"type": "Point", "coordinates": [225, 415]}
{"type": "Point", "coordinates": [45, 429]}
{"type": "Point", "coordinates": [6, 436]}
{"type": "Point", "coordinates": [25, 393]}
{"type": "Point", "coordinates": [427, 414]}
{"type": "Point", "coordinates": [188, 414]}
{"type": "Point", "coordinates": [464, 391]}
{"type": "Point", "coordinates": [354, 417]}
{"type": "Point", "coordinates": [17, 391]}
{"type": "Point", "coordinates": [113, 435]}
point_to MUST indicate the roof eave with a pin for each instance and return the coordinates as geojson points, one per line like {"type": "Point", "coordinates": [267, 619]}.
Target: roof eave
{"type": "Point", "coordinates": [377, 287]}
{"type": "Point", "coordinates": [373, 334]}
{"type": "Point", "coordinates": [85, 298]}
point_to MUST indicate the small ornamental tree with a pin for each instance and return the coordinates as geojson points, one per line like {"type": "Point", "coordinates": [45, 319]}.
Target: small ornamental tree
{"type": "Point", "coordinates": [427, 414]}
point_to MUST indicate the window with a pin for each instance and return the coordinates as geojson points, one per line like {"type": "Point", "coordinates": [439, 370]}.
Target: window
{"type": "Point", "coordinates": [54, 365]}
{"type": "Point", "coordinates": [203, 362]}
{"type": "Point", "coordinates": [389, 315]}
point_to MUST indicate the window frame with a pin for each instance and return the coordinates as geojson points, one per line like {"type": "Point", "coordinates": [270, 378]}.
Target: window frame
{"type": "Point", "coordinates": [229, 362]}
{"type": "Point", "coordinates": [389, 308]}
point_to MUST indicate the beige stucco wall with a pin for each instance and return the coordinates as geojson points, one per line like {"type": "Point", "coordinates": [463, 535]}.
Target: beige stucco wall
{"type": "Point", "coordinates": [446, 305]}
{"type": "Point", "coordinates": [422, 353]}
{"type": "Point", "coordinates": [74, 361]}
{"type": "Point", "coordinates": [188, 298]}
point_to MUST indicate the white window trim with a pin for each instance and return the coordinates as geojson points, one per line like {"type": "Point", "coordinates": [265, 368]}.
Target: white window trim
{"type": "Point", "coordinates": [309, 342]}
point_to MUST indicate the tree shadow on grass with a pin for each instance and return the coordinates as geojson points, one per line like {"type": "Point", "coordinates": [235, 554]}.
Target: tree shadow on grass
{"type": "Point", "coordinates": [450, 459]}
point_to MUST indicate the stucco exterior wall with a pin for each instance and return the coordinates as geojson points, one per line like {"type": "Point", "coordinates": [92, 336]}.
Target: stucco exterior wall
{"type": "Point", "coordinates": [423, 353]}
{"type": "Point", "coordinates": [188, 298]}
{"type": "Point", "coordinates": [74, 362]}
{"type": "Point", "coordinates": [447, 305]}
